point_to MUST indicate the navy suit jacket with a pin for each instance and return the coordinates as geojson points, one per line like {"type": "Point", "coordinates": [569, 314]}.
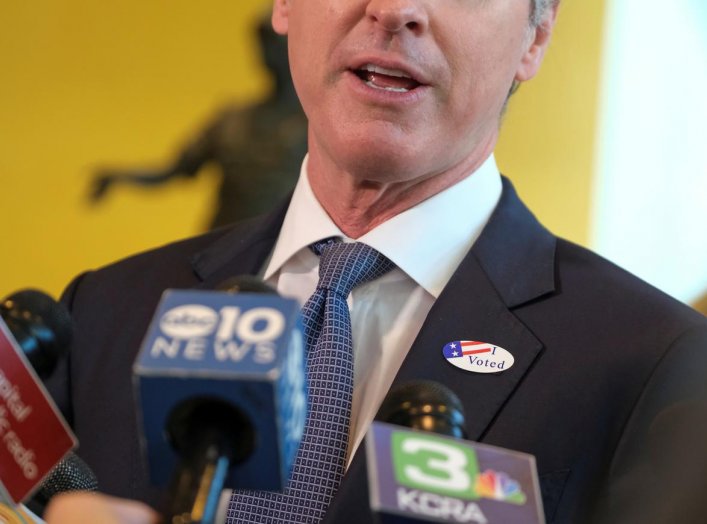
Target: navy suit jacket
{"type": "Point", "coordinates": [607, 390]}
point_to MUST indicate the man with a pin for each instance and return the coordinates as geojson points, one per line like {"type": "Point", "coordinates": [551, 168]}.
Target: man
{"type": "Point", "coordinates": [404, 99]}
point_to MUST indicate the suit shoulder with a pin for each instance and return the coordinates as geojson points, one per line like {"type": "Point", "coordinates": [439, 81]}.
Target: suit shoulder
{"type": "Point", "coordinates": [164, 259]}
{"type": "Point", "coordinates": [582, 271]}
{"type": "Point", "coordinates": [168, 266]}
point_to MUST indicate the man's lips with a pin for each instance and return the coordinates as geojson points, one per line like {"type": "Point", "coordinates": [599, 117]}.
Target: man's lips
{"type": "Point", "coordinates": [387, 78]}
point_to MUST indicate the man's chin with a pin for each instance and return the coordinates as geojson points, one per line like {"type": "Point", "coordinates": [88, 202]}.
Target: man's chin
{"type": "Point", "coordinates": [384, 167]}
{"type": "Point", "coordinates": [377, 157]}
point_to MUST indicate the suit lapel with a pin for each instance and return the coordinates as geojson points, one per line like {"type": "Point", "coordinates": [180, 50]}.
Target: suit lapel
{"type": "Point", "coordinates": [243, 250]}
{"type": "Point", "coordinates": [510, 264]}
{"type": "Point", "coordinates": [470, 309]}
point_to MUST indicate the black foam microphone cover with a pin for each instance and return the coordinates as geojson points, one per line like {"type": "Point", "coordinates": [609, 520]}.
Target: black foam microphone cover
{"type": "Point", "coordinates": [424, 405]}
{"type": "Point", "coordinates": [71, 474]}
{"type": "Point", "coordinates": [40, 325]}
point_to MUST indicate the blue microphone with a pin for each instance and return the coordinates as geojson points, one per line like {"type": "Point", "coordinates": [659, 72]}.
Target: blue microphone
{"type": "Point", "coordinates": [220, 382]}
{"type": "Point", "coordinates": [420, 469]}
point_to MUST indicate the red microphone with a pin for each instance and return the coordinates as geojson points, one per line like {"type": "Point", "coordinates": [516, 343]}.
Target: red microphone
{"type": "Point", "coordinates": [34, 437]}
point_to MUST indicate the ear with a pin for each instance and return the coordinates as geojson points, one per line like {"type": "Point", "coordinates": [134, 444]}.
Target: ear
{"type": "Point", "coordinates": [280, 16]}
{"type": "Point", "coordinates": [538, 41]}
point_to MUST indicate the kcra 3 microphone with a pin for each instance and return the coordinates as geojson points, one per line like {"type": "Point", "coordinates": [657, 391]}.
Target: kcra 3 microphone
{"type": "Point", "coordinates": [221, 386]}
{"type": "Point", "coordinates": [424, 472]}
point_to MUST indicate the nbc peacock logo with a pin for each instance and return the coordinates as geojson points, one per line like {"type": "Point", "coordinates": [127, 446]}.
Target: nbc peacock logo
{"type": "Point", "coordinates": [496, 485]}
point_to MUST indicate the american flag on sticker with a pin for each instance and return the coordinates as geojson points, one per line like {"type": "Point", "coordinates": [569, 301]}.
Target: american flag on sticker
{"type": "Point", "coordinates": [478, 357]}
{"type": "Point", "coordinates": [464, 348]}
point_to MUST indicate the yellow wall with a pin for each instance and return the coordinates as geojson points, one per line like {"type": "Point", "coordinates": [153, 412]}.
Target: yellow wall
{"type": "Point", "coordinates": [90, 83]}
{"type": "Point", "coordinates": [547, 144]}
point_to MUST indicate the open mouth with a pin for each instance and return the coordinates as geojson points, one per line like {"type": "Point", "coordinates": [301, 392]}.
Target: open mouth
{"type": "Point", "coordinates": [386, 79]}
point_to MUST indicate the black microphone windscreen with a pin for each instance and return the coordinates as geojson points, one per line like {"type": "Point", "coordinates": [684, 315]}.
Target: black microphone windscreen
{"type": "Point", "coordinates": [71, 474]}
{"type": "Point", "coordinates": [424, 405]}
{"type": "Point", "coordinates": [41, 325]}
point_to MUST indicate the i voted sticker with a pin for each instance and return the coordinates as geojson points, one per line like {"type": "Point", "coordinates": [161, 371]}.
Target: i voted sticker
{"type": "Point", "coordinates": [479, 357]}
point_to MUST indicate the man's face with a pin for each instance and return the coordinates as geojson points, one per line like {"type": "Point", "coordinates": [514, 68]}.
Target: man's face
{"type": "Point", "coordinates": [400, 90]}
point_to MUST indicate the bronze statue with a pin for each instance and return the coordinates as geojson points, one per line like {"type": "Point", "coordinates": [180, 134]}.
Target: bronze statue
{"type": "Point", "coordinates": [258, 148]}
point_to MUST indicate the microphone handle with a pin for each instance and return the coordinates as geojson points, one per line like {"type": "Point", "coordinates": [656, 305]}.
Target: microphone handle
{"type": "Point", "coordinates": [197, 487]}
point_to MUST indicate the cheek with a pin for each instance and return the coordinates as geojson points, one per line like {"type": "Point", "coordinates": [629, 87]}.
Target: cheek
{"type": "Point", "coordinates": [305, 65]}
{"type": "Point", "coordinates": [486, 74]}
{"type": "Point", "coordinates": [485, 49]}
{"type": "Point", "coordinates": [475, 82]}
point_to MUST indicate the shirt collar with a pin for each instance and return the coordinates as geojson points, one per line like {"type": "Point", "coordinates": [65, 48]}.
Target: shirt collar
{"type": "Point", "coordinates": [427, 241]}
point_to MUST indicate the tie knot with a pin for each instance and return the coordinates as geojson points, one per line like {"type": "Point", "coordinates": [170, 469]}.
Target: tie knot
{"type": "Point", "coordinates": [343, 266]}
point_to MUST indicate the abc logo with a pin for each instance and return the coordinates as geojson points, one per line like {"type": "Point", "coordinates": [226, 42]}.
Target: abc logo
{"type": "Point", "coordinates": [189, 321]}
{"type": "Point", "coordinates": [259, 324]}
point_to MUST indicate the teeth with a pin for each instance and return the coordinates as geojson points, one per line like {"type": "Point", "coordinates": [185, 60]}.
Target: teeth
{"type": "Point", "coordinates": [394, 89]}
{"type": "Point", "coordinates": [383, 71]}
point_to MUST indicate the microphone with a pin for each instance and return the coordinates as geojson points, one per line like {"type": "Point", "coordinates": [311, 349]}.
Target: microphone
{"type": "Point", "coordinates": [42, 328]}
{"type": "Point", "coordinates": [71, 474]}
{"type": "Point", "coordinates": [420, 469]}
{"type": "Point", "coordinates": [425, 405]}
{"type": "Point", "coordinates": [34, 331]}
{"type": "Point", "coordinates": [220, 381]}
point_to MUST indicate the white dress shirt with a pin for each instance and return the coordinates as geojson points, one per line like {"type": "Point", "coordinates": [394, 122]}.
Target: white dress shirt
{"type": "Point", "coordinates": [426, 242]}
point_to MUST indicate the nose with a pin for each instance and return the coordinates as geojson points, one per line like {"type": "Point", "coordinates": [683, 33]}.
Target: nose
{"type": "Point", "coordinates": [395, 16]}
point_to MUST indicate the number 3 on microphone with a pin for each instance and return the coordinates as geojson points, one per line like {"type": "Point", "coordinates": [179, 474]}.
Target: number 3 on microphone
{"type": "Point", "coordinates": [434, 464]}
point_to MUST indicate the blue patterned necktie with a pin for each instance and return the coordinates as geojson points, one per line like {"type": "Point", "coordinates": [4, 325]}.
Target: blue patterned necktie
{"type": "Point", "coordinates": [321, 460]}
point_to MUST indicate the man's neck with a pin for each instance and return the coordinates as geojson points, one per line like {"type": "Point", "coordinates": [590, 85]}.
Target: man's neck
{"type": "Point", "coordinates": [357, 204]}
